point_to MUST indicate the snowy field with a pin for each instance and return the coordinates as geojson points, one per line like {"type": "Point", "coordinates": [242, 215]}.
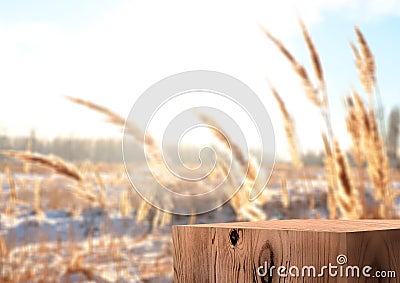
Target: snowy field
{"type": "Point", "coordinates": [48, 233]}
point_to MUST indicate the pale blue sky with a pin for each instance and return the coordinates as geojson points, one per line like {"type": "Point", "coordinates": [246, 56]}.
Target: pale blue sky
{"type": "Point", "coordinates": [71, 14]}
{"type": "Point", "coordinates": [111, 51]}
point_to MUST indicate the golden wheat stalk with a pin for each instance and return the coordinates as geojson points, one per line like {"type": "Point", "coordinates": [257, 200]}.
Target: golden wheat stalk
{"type": "Point", "coordinates": [36, 199]}
{"type": "Point", "coordinates": [192, 219]}
{"type": "Point", "coordinates": [285, 192]}
{"type": "Point", "coordinates": [52, 162]}
{"type": "Point", "coordinates": [315, 59]}
{"type": "Point", "coordinates": [75, 266]}
{"type": "Point", "coordinates": [115, 119]}
{"type": "Point", "coordinates": [100, 181]}
{"type": "Point", "coordinates": [83, 191]}
{"type": "Point", "coordinates": [289, 129]}
{"type": "Point", "coordinates": [142, 211]}
{"type": "Point", "coordinates": [373, 146]}
{"type": "Point", "coordinates": [294, 151]}
{"type": "Point", "coordinates": [318, 96]}
{"type": "Point", "coordinates": [125, 206]}
{"type": "Point", "coordinates": [3, 249]}
{"type": "Point", "coordinates": [111, 116]}
{"type": "Point", "coordinates": [156, 218]}
{"type": "Point", "coordinates": [368, 56]}
{"type": "Point", "coordinates": [27, 165]}
{"type": "Point", "coordinates": [11, 183]}
{"type": "Point", "coordinates": [365, 63]}
{"type": "Point", "coordinates": [354, 129]}
{"type": "Point", "coordinates": [310, 90]}
{"type": "Point", "coordinates": [247, 165]}
{"type": "Point", "coordinates": [329, 166]}
{"type": "Point", "coordinates": [166, 218]}
{"type": "Point", "coordinates": [240, 202]}
{"type": "Point", "coordinates": [63, 168]}
{"type": "Point", "coordinates": [347, 197]}
{"type": "Point", "coordinates": [318, 70]}
{"type": "Point", "coordinates": [363, 73]}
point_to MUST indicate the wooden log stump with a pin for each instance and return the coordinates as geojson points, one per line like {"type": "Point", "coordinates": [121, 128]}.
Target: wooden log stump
{"type": "Point", "coordinates": [288, 251]}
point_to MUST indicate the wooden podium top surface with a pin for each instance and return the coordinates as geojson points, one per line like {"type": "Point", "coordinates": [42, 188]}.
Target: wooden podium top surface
{"type": "Point", "coordinates": [316, 225]}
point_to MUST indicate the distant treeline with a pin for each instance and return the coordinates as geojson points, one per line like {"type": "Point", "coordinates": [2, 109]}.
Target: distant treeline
{"type": "Point", "coordinates": [110, 149]}
{"type": "Point", "coordinates": [95, 150]}
{"type": "Point", "coordinates": [72, 149]}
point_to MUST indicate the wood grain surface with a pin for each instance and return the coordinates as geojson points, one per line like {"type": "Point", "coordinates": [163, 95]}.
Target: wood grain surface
{"type": "Point", "coordinates": [232, 252]}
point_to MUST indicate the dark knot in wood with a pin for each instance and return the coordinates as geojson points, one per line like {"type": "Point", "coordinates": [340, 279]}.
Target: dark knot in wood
{"type": "Point", "coordinates": [234, 236]}
{"type": "Point", "coordinates": [266, 257]}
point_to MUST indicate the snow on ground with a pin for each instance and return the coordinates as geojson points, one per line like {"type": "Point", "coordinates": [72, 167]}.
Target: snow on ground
{"type": "Point", "coordinates": [74, 242]}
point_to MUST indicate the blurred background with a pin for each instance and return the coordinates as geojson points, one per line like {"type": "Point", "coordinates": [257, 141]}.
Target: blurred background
{"type": "Point", "coordinates": [68, 212]}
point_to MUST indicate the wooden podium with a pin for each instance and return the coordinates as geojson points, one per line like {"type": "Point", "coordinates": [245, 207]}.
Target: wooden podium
{"type": "Point", "coordinates": [266, 251]}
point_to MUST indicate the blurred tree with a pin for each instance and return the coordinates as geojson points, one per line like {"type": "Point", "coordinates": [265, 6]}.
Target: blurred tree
{"type": "Point", "coordinates": [393, 136]}
{"type": "Point", "coordinates": [312, 158]}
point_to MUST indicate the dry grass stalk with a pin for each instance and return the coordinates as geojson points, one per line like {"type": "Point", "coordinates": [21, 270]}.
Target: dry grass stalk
{"type": "Point", "coordinates": [90, 241]}
{"type": "Point", "coordinates": [192, 219]}
{"type": "Point", "coordinates": [57, 164]}
{"type": "Point", "coordinates": [354, 130]}
{"type": "Point", "coordinates": [36, 199]}
{"type": "Point", "coordinates": [166, 218]}
{"type": "Point", "coordinates": [82, 188]}
{"type": "Point", "coordinates": [366, 64]}
{"type": "Point", "coordinates": [318, 96]}
{"type": "Point", "coordinates": [27, 165]}
{"type": "Point", "coordinates": [315, 59]}
{"type": "Point", "coordinates": [13, 189]}
{"type": "Point", "coordinates": [125, 206]}
{"type": "Point", "coordinates": [316, 63]}
{"type": "Point", "coordinates": [246, 164]}
{"type": "Point", "coordinates": [4, 261]}
{"type": "Point", "coordinates": [76, 266]}
{"type": "Point", "coordinates": [71, 238]}
{"type": "Point", "coordinates": [115, 119]}
{"type": "Point", "coordinates": [289, 130]}
{"type": "Point", "coordinates": [252, 213]}
{"type": "Point", "coordinates": [294, 151]}
{"type": "Point", "coordinates": [346, 196]}
{"type": "Point", "coordinates": [247, 209]}
{"type": "Point", "coordinates": [373, 147]}
{"type": "Point", "coordinates": [85, 167]}
{"type": "Point", "coordinates": [329, 166]}
{"type": "Point", "coordinates": [3, 249]}
{"type": "Point", "coordinates": [83, 191]}
{"type": "Point", "coordinates": [310, 90]}
{"type": "Point", "coordinates": [112, 117]}
{"type": "Point", "coordinates": [100, 181]}
{"type": "Point", "coordinates": [157, 218]}
{"type": "Point", "coordinates": [223, 139]}
{"type": "Point", "coordinates": [363, 74]}
{"type": "Point", "coordinates": [285, 192]}
{"type": "Point", "coordinates": [240, 202]}
{"type": "Point", "coordinates": [331, 202]}
{"type": "Point", "coordinates": [142, 211]}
